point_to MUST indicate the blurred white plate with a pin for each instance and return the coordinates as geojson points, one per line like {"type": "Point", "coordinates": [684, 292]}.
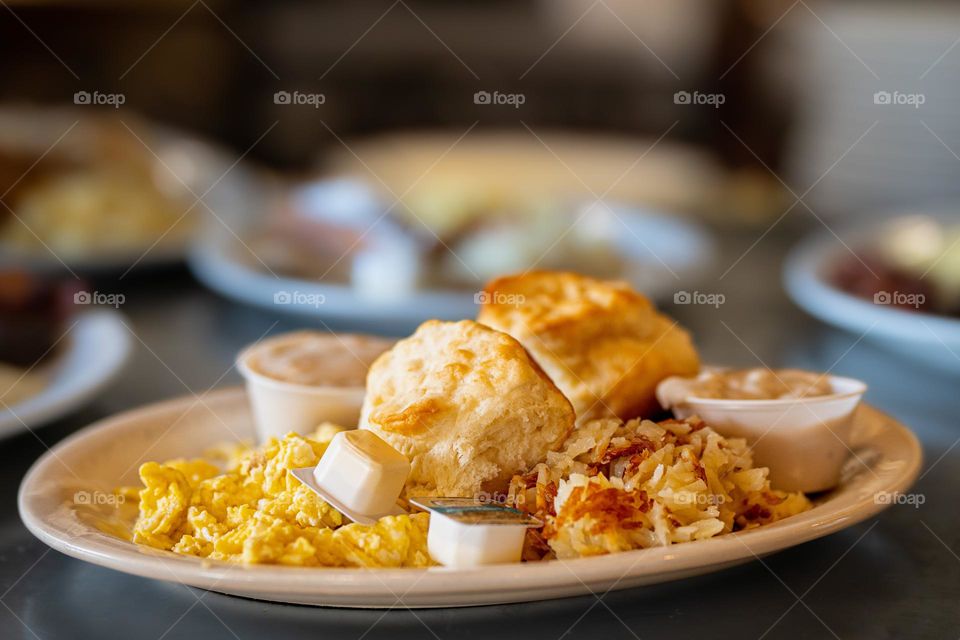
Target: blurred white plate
{"type": "Point", "coordinates": [91, 355]}
{"type": "Point", "coordinates": [108, 454]}
{"type": "Point", "coordinates": [925, 337]}
{"type": "Point", "coordinates": [662, 254]}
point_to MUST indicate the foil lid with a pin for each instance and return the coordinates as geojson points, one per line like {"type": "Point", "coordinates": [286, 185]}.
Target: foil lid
{"type": "Point", "coordinates": [476, 512]}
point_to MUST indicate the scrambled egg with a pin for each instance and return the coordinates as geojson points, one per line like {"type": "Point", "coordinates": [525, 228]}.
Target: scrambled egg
{"type": "Point", "coordinates": [257, 513]}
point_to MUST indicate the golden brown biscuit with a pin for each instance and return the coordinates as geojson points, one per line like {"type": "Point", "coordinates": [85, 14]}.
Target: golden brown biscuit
{"type": "Point", "coordinates": [467, 405]}
{"type": "Point", "coordinates": [602, 343]}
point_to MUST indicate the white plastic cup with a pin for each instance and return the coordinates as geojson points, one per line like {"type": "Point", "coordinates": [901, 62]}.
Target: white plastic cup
{"type": "Point", "coordinates": [280, 407]}
{"type": "Point", "coordinates": [362, 473]}
{"type": "Point", "coordinates": [803, 441]}
{"type": "Point", "coordinates": [458, 544]}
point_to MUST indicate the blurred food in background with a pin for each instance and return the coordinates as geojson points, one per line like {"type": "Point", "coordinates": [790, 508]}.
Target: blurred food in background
{"type": "Point", "coordinates": [894, 281]}
{"type": "Point", "coordinates": [85, 189]}
{"type": "Point", "coordinates": [434, 146]}
{"type": "Point", "coordinates": [451, 212]}
{"type": "Point", "coordinates": [914, 260]}
{"type": "Point", "coordinates": [33, 314]}
{"type": "Point", "coordinates": [412, 225]}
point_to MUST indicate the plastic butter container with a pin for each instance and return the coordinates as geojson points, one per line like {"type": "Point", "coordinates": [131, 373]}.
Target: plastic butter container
{"type": "Point", "coordinates": [360, 475]}
{"type": "Point", "coordinates": [465, 532]}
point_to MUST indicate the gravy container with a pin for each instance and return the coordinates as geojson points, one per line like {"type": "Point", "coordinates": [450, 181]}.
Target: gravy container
{"type": "Point", "coordinates": [803, 441]}
{"type": "Point", "coordinates": [316, 378]}
{"type": "Point", "coordinates": [280, 407]}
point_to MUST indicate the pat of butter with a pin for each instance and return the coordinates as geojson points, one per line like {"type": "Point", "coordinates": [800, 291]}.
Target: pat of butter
{"type": "Point", "coordinates": [360, 475]}
{"type": "Point", "coordinates": [465, 532]}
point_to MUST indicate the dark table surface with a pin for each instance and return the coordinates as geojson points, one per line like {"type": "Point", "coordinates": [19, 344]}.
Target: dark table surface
{"type": "Point", "coordinates": [896, 576]}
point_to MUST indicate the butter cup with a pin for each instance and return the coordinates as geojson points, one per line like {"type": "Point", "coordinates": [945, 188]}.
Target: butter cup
{"type": "Point", "coordinates": [468, 532]}
{"type": "Point", "coordinates": [360, 475]}
{"type": "Point", "coordinates": [457, 544]}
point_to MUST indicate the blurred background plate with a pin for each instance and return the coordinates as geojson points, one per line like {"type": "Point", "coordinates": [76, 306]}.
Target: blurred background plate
{"type": "Point", "coordinates": [660, 253]}
{"type": "Point", "coordinates": [405, 227]}
{"type": "Point", "coordinates": [895, 283]}
{"type": "Point", "coordinates": [93, 352]}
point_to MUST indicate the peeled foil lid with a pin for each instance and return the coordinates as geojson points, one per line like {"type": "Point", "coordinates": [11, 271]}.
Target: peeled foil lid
{"type": "Point", "coordinates": [476, 512]}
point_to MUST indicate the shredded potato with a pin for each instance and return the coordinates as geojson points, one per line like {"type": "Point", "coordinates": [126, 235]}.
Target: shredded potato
{"type": "Point", "coordinates": [615, 487]}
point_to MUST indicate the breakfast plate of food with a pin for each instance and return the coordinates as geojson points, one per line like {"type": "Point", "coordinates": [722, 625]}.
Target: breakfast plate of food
{"type": "Point", "coordinates": [896, 281]}
{"type": "Point", "coordinates": [568, 441]}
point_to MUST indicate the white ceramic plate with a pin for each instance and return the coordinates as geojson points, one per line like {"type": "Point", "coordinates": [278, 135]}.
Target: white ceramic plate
{"type": "Point", "coordinates": [108, 454]}
{"type": "Point", "coordinates": [92, 354]}
{"type": "Point", "coordinates": [929, 338]}
{"type": "Point", "coordinates": [662, 254]}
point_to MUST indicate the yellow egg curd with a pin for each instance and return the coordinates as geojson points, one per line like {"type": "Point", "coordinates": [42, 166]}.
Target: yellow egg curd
{"type": "Point", "coordinates": [249, 509]}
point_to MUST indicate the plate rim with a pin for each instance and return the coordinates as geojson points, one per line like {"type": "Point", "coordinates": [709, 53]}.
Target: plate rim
{"type": "Point", "coordinates": [490, 584]}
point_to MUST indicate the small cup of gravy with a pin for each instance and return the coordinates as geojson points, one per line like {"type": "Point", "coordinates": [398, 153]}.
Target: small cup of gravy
{"type": "Point", "coordinates": [298, 380]}
{"type": "Point", "coordinates": [797, 422]}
